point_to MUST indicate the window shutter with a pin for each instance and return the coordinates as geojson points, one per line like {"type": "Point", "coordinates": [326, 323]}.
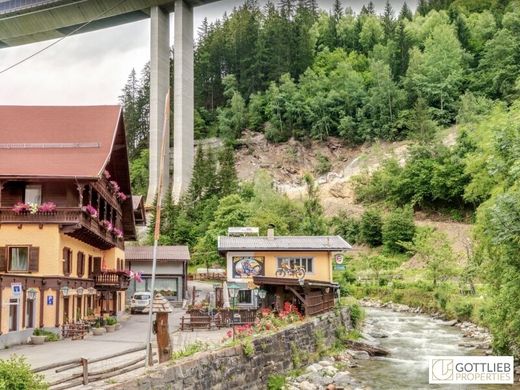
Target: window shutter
{"type": "Point", "coordinates": [66, 260]}
{"type": "Point", "coordinates": [3, 259]}
{"type": "Point", "coordinates": [34, 258]}
{"type": "Point", "coordinates": [80, 264]}
{"type": "Point", "coordinates": [97, 265]}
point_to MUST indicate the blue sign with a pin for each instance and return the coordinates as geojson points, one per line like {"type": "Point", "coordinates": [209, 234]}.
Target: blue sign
{"type": "Point", "coordinates": [340, 267]}
{"type": "Point", "coordinates": [50, 300]}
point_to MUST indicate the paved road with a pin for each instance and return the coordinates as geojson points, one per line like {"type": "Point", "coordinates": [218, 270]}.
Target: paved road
{"type": "Point", "coordinates": [133, 333]}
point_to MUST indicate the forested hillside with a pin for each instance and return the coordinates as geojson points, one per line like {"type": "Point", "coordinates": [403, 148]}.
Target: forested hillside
{"type": "Point", "coordinates": [294, 71]}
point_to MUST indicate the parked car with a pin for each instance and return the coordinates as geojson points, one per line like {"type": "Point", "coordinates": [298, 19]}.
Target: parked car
{"type": "Point", "coordinates": [140, 301]}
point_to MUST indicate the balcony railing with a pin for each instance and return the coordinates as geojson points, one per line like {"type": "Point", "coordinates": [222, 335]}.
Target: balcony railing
{"type": "Point", "coordinates": [111, 280]}
{"type": "Point", "coordinates": [75, 222]}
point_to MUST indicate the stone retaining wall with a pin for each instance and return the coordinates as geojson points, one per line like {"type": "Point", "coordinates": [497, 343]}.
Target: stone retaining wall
{"type": "Point", "coordinates": [230, 368]}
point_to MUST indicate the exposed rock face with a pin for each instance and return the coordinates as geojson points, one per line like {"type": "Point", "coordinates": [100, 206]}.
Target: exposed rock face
{"type": "Point", "coordinates": [230, 368]}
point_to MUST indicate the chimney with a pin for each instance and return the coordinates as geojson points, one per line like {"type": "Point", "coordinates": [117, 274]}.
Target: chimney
{"type": "Point", "coordinates": [270, 233]}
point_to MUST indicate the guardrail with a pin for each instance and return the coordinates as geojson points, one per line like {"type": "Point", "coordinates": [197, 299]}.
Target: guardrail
{"type": "Point", "coordinates": [84, 377]}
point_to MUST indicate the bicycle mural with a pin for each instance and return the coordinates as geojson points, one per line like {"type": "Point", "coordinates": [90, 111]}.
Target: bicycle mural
{"type": "Point", "coordinates": [248, 266]}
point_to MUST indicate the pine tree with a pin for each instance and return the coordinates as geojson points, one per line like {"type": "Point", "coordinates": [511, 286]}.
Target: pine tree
{"type": "Point", "coordinates": [405, 13]}
{"type": "Point", "coordinates": [423, 7]}
{"type": "Point", "coordinates": [313, 223]}
{"type": "Point", "coordinates": [197, 184]}
{"type": "Point", "coordinates": [371, 9]}
{"type": "Point", "coordinates": [388, 21]}
{"type": "Point", "coordinates": [227, 181]}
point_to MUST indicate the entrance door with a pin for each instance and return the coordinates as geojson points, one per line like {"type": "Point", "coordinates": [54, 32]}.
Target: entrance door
{"type": "Point", "coordinates": [78, 308]}
{"type": "Point", "coordinates": [30, 313]}
{"type": "Point", "coordinates": [97, 265]}
{"type": "Point", "coordinates": [13, 315]}
{"type": "Point", "coordinates": [66, 316]}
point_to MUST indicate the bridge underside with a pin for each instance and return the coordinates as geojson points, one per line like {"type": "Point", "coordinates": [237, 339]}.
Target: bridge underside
{"type": "Point", "coordinates": [29, 21]}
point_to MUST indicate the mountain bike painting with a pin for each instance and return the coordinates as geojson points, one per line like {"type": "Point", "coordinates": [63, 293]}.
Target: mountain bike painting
{"type": "Point", "coordinates": [248, 266]}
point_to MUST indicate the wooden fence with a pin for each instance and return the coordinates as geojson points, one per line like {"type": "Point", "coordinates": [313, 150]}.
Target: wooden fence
{"type": "Point", "coordinates": [84, 376]}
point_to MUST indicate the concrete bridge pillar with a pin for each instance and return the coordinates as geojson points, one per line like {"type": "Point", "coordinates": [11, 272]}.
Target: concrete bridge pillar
{"type": "Point", "coordinates": [159, 84]}
{"type": "Point", "coordinates": [183, 99]}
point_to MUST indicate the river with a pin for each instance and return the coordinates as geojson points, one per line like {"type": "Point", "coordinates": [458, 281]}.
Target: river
{"type": "Point", "coordinates": [411, 339]}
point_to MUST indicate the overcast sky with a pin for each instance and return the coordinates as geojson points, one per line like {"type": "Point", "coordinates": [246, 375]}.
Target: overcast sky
{"type": "Point", "coordinates": [92, 68]}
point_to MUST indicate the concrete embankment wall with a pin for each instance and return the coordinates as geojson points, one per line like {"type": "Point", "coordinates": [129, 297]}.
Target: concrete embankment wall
{"type": "Point", "coordinates": [230, 368]}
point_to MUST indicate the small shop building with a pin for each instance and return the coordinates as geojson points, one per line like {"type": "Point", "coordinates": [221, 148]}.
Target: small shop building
{"type": "Point", "coordinates": [270, 270]}
{"type": "Point", "coordinates": [171, 271]}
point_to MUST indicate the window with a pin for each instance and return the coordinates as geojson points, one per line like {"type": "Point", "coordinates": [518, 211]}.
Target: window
{"type": "Point", "coordinates": [81, 264]}
{"type": "Point", "coordinates": [33, 193]}
{"type": "Point", "coordinates": [305, 262]}
{"type": "Point", "coordinates": [245, 297]}
{"type": "Point", "coordinates": [19, 258]}
{"type": "Point", "coordinates": [67, 261]}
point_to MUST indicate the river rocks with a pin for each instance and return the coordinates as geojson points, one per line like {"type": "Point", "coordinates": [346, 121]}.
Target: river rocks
{"type": "Point", "coordinates": [378, 335]}
{"type": "Point", "coordinates": [327, 374]}
{"type": "Point", "coordinates": [360, 355]}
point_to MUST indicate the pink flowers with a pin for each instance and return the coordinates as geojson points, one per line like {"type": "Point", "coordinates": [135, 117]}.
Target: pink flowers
{"type": "Point", "coordinates": [118, 233]}
{"type": "Point", "coordinates": [115, 186]}
{"type": "Point", "coordinates": [47, 207]}
{"type": "Point", "coordinates": [107, 174]}
{"type": "Point", "coordinates": [107, 225]}
{"type": "Point", "coordinates": [121, 196]}
{"type": "Point", "coordinates": [21, 207]}
{"type": "Point", "coordinates": [90, 210]}
{"type": "Point", "coordinates": [33, 208]}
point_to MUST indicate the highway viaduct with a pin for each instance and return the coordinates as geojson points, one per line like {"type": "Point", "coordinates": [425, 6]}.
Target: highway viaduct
{"type": "Point", "coordinates": [28, 21]}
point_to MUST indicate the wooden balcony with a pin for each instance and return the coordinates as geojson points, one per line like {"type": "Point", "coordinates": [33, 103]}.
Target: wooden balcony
{"type": "Point", "coordinates": [111, 281]}
{"type": "Point", "coordinates": [73, 221]}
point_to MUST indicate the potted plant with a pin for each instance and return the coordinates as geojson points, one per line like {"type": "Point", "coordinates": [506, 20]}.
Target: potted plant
{"type": "Point", "coordinates": [38, 337]}
{"type": "Point", "coordinates": [98, 330]}
{"type": "Point", "coordinates": [111, 324]}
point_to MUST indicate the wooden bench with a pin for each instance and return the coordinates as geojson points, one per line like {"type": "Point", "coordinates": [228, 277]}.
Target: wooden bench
{"type": "Point", "coordinates": [195, 322]}
{"type": "Point", "coordinates": [75, 331]}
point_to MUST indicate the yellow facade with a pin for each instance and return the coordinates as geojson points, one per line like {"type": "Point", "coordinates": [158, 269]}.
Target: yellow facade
{"type": "Point", "coordinates": [321, 263]}
{"type": "Point", "coordinates": [50, 241]}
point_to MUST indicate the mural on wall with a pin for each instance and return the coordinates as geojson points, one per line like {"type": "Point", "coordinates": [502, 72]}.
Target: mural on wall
{"type": "Point", "coordinates": [248, 266]}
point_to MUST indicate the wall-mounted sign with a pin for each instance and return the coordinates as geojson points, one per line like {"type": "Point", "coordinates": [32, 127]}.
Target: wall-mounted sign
{"type": "Point", "coordinates": [50, 300]}
{"type": "Point", "coordinates": [339, 258]}
{"type": "Point", "coordinates": [16, 290]}
{"type": "Point", "coordinates": [239, 231]}
{"type": "Point", "coordinates": [248, 266]}
{"type": "Point", "coordinates": [340, 267]}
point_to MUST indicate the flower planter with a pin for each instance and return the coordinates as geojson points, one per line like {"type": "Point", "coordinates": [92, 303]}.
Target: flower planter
{"type": "Point", "coordinates": [110, 328]}
{"type": "Point", "coordinates": [98, 331]}
{"type": "Point", "coordinates": [37, 340]}
{"type": "Point", "coordinates": [118, 326]}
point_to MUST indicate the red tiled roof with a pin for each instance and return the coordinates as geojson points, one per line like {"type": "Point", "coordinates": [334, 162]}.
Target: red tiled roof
{"type": "Point", "coordinates": [52, 136]}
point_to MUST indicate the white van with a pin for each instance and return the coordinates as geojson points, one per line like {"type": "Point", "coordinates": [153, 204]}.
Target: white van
{"type": "Point", "coordinates": [140, 301]}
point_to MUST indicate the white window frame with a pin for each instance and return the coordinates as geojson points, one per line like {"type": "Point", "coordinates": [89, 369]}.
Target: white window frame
{"type": "Point", "coordinates": [33, 187]}
{"type": "Point", "coordinates": [251, 302]}
{"type": "Point", "coordinates": [280, 259]}
{"type": "Point", "coordinates": [9, 257]}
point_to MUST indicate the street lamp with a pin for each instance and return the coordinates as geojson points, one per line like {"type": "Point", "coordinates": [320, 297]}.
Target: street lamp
{"type": "Point", "coordinates": [261, 294]}
{"type": "Point", "coordinates": [91, 290]}
{"type": "Point", "coordinates": [31, 294]}
{"type": "Point", "coordinates": [79, 291]}
{"type": "Point", "coordinates": [233, 292]}
{"type": "Point", "coordinates": [65, 290]}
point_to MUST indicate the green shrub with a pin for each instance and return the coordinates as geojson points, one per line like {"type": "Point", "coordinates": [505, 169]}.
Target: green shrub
{"type": "Point", "coordinates": [463, 310]}
{"type": "Point", "coordinates": [276, 382]}
{"type": "Point", "coordinates": [248, 347]}
{"type": "Point", "coordinates": [324, 165]}
{"type": "Point", "coordinates": [398, 226]}
{"type": "Point", "coordinates": [371, 228]}
{"type": "Point", "coordinates": [356, 314]}
{"type": "Point", "coordinates": [111, 321]}
{"type": "Point", "coordinates": [347, 227]}
{"type": "Point", "coordinates": [189, 350]}
{"type": "Point", "coordinates": [16, 374]}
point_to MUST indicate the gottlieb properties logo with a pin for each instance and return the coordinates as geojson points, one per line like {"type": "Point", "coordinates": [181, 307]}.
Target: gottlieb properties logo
{"type": "Point", "coordinates": [471, 369]}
